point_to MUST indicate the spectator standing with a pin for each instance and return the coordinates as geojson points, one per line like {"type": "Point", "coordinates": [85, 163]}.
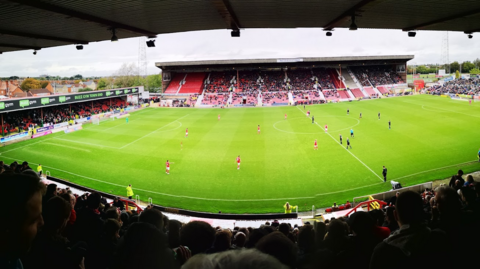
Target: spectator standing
{"type": "Point", "coordinates": [119, 204]}
{"type": "Point", "coordinates": [129, 191]}
{"type": "Point", "coordinates": [456, 177]}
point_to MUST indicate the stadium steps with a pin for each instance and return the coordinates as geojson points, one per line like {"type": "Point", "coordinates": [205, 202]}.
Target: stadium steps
{"type": "Point", "coordinates": [349, 81]}
{"type": "Point", "coordinates": [259, 100]}
{"type": "Point", "coordinates": [230, 98]}
{"type": "Point", "coordinates": [290, 98]}
{"type": "Point", "coordinates": [322, 97]}
{"type": "Point", "coordinates": [350, 94]}
{"type": "Point", "coordinates": [334, 76]}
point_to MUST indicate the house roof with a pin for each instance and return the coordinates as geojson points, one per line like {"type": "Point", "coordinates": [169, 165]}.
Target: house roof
{"type": "Point", "coordinates": [40, 92]}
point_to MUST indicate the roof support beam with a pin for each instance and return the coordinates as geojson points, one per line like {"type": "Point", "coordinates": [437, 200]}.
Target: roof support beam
{"type": "Point", "coordinates": [44, 37]}
{"type": "Point", "coordinates": [83, 16]}
{"type": "Point", "coordinates": [226, 11]}
{"type": "Point", "coordinates": [19, 46]}
{"type": "Point", "coordinates": [449, 18]}
{"type": "Point", "coordinates": [346, 15]}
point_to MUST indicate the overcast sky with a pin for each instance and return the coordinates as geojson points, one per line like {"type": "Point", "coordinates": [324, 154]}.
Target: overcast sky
{"type": "Point", "coordinates": [104, 58]}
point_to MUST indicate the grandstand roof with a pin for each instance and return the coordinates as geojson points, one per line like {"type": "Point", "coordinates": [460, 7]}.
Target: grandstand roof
{"type": "Point", "coordinates": [27, 24]}
{"type": "Point", "coordinates": [165, 65]}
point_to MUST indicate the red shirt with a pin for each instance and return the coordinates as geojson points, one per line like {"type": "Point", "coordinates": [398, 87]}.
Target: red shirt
{"type": "Point", "coordinates": [168, 164]}
{"type": "Point", "coordinates": [238, 160]}
{"type": "Point", "coordinates": [315, 143]}
{"type": "Point", "coordinates": [186, 130]}
{"type": "Point", "coordinates": [258, 128]}
{"type": "Point", "coordinates": [326, 126]}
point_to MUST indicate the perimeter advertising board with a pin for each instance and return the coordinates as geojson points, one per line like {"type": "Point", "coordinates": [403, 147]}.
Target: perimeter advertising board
{"type": "Point", "coordinates": [18, 104]}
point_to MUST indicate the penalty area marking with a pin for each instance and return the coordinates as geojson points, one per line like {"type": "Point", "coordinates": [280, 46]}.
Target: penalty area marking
{"type": "Point", "coordinates": [153, 132]}
{"type": "Point", "coordinates": [346, 149]}
{"type": "Point", "coordinates": [236, 200]}
{"type": "Point", "coordinates": [288, 132]}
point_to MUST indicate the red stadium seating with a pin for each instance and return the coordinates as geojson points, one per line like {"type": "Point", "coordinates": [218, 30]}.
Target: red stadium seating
{"type": "Point", "coordinates": [193, 83]}
{"type": "Point", "coordinates": [343, 95]}
{"type": "Point", "coordinates": [175, 83]}
{"type": "Point", "coordinates": [370, 91]}
{"type": "Point", "coordinates": [357, 93]}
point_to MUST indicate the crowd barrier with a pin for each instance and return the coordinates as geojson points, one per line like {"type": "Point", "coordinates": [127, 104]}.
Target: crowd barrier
{"type": "Point", "coordinates": [389, 194]}
{"type": "Point", "coordinates": [187, 212]}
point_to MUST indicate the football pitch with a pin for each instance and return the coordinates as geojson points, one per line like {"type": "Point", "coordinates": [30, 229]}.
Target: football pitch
{"type": "Point", "coordinates": [431, 138]}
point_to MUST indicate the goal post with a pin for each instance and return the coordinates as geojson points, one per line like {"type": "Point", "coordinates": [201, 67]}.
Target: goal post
{"type": "Point", "coordinates": [96, 120]}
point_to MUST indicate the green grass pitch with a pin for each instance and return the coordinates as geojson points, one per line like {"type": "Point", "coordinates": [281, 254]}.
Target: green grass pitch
{"type": "Point", "coordinates": [431, 138]}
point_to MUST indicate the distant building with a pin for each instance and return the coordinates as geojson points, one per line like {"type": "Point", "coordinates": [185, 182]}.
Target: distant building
{"type": "Point", "coordinates": [89, 84]}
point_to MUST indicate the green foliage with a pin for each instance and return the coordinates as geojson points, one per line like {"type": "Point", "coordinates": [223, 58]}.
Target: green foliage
{"type": "Point", "coordinates": [102, 84]}
{"type": "Point", "coordinates": [87, 89]}
{"type": "Point", "coordinates": [474, 71]}
{"type": "Point", "coordinates": [79, 77]}
{"type": "Point", "coordinates": [30, 83]}
{"type": "Point", "coordinates": [43, 84]}
{"type": "Point", "coordinates": [278, 165]}
{"type": "Point", "coordinates": [457, 74]}
{"type": "Point", "coordinates": [467, 66]}
{"type": "Point", "coordinates": [455, 66]}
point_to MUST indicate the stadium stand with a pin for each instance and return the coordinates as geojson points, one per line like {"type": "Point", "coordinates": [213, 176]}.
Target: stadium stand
{"type": "Point", "coordinates": [469, 86]}
{"type": "Point", "coordinates": [370, 91]}
{"type": "Point", "coordinates": [23, 119]}
{"type": "Point", "coordinates": [382, 89]}
{"type": "Point", "coordinates": [193, 83]}
{"type": "Point", "coordinates": [275, 98]}
{"type": "Point", "coordinates": [220, 82]}
{"type": "Point", "coordinates": [376, 75]}
{"type": "Point", "coordinates": [434, 228]}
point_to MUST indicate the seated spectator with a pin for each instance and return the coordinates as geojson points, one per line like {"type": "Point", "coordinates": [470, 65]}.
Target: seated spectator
{"type": "Point", "coordinates": [154, 217]}
{"type": "Point", "coordinates": [198, 236]}
{"type": "Point", "coordinates": [348, 205]}
{"type": "Point", "coordinates": [24, 217]}
{"type": "Point", "coordinates": [390, 220]}
{"type": "Point", "coordinates": [222, 242]}
{"type": "Point", "coordinates": [280, 247]}
{"type": "Point", "coordinates": [414, 245]}
{"type": "Point", "coordinates": [119, 204]}
{"type": "Point", "coordinates": [144, 246]}
{"type": "Point", "coordinates": [239, 240]}
{"type": "Point", "coordinates": [237, 259]}
{"type": "Point", "coordinates": [336, 239]}
{"type": "Point", "coordinates": [50, 249]}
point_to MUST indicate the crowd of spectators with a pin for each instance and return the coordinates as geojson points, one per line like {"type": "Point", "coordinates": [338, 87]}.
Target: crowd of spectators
{"type": "Point", "coordinates": [47, 227]}
{"type": "Point", "coordinates": [219, 82]}
{"type": "Point", "coordinates": [24, 119]}
{"type": "Point", "coordinates": [376, 75]}
{"type": "Point", "coordinates": [272, 98]}
{"type": "Point", "coordinates": [470, 86]}
{"type": "Point", "coordinates": [250, 98]}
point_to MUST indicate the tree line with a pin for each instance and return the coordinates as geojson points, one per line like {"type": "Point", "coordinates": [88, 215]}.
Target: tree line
{"type": "Point", "coordinates": [465, 67]}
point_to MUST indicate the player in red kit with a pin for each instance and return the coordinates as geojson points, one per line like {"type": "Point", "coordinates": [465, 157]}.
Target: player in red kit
{"type": "Point", "coordinates": [315, 145]}
{"type": "Point", "coordinates": [186, 132]}
{"type": "Point", "coordinates": [326, 127]}
{"type": "Point", "coordinates": [285, 115]}
{"type": "Point", "coordinates": [238, 162]}
{"type": "Point", "coordinates": [308, 113]}
{"type": "Point", "coordinates": [168, 168]}
{"type": "Point", "coordinates": [218, 116]}
{"type": "Point", "coordinates": [258, 129]}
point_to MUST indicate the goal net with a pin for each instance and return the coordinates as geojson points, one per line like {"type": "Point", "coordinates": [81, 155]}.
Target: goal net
{"type": "Point", "coordinates": [96, 120]}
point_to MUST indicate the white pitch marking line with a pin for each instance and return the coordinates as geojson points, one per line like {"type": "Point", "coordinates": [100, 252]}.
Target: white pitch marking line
{"type": "Point", "coordinates": [199, 198]}
{"type": "Point", "coordinates": [65, 146]}
{"type": "Point", "coordinates": [440, 168]}
{"type": "Point", "coordinates": [85, 143]}
{"type": "Point", "coordinates": [346, 149]}
{"type": "Point", "coordinates": [152, 132]}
